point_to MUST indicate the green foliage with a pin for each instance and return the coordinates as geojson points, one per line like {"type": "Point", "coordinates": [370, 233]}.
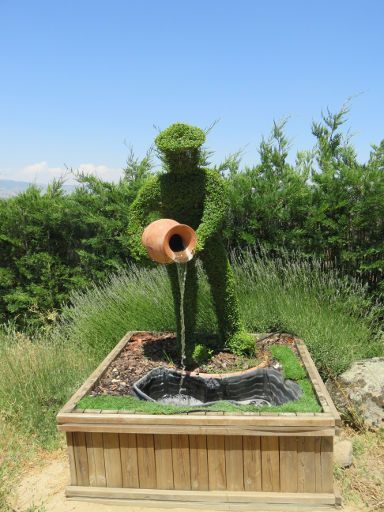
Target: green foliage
{"type": "Point", "coordinates": [201, 353]}
{"type": "Point", "coordinates": [242, 344]}
{"type": "Point", "coordinates": [203, 208]}
{"type": "Point", "coordinates": [333, 314]}
{"type": "Point", "coordinates": [52, 242]}
{"type": "Point", "coordinates": [326, 204]}
{"type": "Point", "coordinates": [292, 368]}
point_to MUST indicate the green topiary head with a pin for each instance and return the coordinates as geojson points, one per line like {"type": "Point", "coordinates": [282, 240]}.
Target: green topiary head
{"type": "Point", "coordinates": [179, 146]}
{"type": "Point", "coordinates": [180, 137]}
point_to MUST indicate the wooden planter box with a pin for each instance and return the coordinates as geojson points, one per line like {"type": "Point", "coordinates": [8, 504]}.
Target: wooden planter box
{"type": "Point", "coordinates": [222, 461]}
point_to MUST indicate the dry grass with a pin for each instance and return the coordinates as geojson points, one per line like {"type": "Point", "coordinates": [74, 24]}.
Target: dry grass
{"type": "Point", "coordinates": [362, 484]}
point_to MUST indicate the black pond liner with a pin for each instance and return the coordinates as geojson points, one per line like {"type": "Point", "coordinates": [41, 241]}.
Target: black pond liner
{"type": "Point", "coordinates": [262, 386]}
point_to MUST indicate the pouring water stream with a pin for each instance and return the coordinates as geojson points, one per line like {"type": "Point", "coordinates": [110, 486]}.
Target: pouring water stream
{"type": "Point", "coordinates": [182, 277]}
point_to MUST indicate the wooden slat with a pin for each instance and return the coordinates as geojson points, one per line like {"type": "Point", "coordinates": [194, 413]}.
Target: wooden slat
{"type": "Point", "coordinates": [216, 463]}
{"type": "Point", "coordinates": [95, 451]}
{"type": "Point", "coordinates": [270, 464]}
{"type": "Point", "coordinates": [234, 463]}
{"type": "Point", "coordinates": [181, 462]}
{"type": "Point", "coordinates": [71, 459]}
{"type": "Point", "coordinates": [129, 468]}
{"type": "Point", "coordinates": [95, 376]}
{"type": "Point", "coordinates": [81, 458]}
{"type": "Point", "coordinates": [299, 421]}
{"type": "Point", "coordinates": [288, 464]}
{"type": "Point", "coordinates": [317, 456]}
{"type": "Point", "coordinates": [211, 498]}
{"type": "Point", "coordinates": [306, 465]}
{"type": "Point", "coordinates": [223, 430]}
{"type": "Point", "coordinates": [146, 461]}
{"type": "Point", "coordinates": [326, 450]}
{"type": "Point", "coordinates": [164, 463]}
{"type": "Point", "coordinates": [252, 463]}
{"type": "Point", "coordinates": [112, 459]}
{"type": "Point", "coordinates": [199, 463]}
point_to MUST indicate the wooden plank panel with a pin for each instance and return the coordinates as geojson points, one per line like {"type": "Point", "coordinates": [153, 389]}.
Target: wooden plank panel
{"type": "Point", "coordinates": [81, 458]}
{"type": "Point", "coordinates": [288, 464]}
{"type": "Point", "coordinates": [199, 463]}
{"type": "Point", "coordinates": [71, 458]}
{"type": "Point", "coordinates": [112, 460]}
{"type": "Point", "coordinates": [95, 451]}
{"type": "Point", "coordinates": [326, 456]}
{"type": "Point", "coordinates": [181, 462]}
{"type": "Point", "coordinates": [252, 463]}
{"type": "Point", "coordinates": [129, 468]}
{"type": "Point", "coordinates": [164, 464]}
{"type": "Point", "coordinates": [216, 463]}
{"type": "Point", "coordinates": [234, 463]}
{"type": "Point", "coordinates": [306, 464]}
{"type": "Point", "coordinates": [270, 464]}
{"type": "Point", "coordinates": [146, 461]}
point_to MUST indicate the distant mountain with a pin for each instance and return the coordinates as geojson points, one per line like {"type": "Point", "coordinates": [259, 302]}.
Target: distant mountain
{"type": "Point", "coordinates": [9, 188]}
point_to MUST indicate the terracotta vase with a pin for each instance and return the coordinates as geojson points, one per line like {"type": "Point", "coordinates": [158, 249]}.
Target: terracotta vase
{"type": "Point", "coordinates": [167, 241]}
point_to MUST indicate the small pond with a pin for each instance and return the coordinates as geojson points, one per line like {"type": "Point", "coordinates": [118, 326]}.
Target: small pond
{"type": "Point", "coordinates": [261, 386]}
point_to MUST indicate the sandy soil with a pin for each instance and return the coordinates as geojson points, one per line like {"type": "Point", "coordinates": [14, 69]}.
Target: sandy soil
{"type": "Point", "coordinates": [43, 486]}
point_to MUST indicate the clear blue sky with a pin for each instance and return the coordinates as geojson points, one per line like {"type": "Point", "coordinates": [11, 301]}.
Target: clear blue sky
{"type": "Point", "coordinates": [82, 79]}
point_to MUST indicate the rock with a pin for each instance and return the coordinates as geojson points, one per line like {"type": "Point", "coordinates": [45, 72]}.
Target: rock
{"type": "Point", "coordinates": [343, 453]}
{"type": "Point", "coordinates": [361, 389]}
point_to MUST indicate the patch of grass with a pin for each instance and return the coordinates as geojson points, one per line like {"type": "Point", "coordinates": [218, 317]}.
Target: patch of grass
{"type": "Point", "coordinates": [37, 376]}
{"type": "Point", "coordinates": [292, 369]}
{"type": "Point", "coordinates": [15, 449]}
{"type": "Point", "coordinates": [306, 403]}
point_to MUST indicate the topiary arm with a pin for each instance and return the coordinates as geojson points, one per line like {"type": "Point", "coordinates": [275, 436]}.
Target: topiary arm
{"type": "Point", "coordinates": [142, 211]}
{"type": "Point", "coordinates": [215, 208]}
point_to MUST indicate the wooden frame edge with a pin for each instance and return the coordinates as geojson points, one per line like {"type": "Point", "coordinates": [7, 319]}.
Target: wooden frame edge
{"type": "Point", "coordinates": [317, 382]}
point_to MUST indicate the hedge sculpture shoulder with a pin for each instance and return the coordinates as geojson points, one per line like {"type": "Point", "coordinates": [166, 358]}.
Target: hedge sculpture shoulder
{"type": "Point", "coordinates": [215, 207]}
{"type": "Point", "coordinates": [144, 209]}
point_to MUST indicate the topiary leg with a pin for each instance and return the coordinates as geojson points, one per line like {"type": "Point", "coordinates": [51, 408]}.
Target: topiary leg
{"type": "Point", "coordinates": [190, 304]}
{"type": "Point", "coordinates": [221, 279]}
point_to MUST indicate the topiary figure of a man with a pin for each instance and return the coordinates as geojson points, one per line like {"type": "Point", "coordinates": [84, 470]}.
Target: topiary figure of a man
{"type": "Point", "coordinates": [195, 196]}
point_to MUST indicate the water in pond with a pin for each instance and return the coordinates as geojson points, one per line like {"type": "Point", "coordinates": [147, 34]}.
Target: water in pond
{"type": "Point", "coordinates": [180, 400]}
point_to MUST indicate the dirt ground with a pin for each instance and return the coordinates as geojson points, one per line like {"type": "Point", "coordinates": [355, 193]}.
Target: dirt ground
{"type": "Point", "coordinates": [41, 489]}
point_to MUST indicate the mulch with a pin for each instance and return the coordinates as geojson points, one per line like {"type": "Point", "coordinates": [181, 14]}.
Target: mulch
{"type": "Point", "coordinates": [146, 351]}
